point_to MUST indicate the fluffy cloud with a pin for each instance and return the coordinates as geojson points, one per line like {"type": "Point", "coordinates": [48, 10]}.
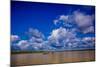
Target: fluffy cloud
{"type": "Point", "coordinates": [89, 29]}
{"type": "Point", "coordinates": [61, 18]}
{"type": "Point", "coordinates": [88, 42]}
{"type": "Point", "coordinates": [36, 43]}
{"type": "Point", "coordinates": [35, 40]}
{"type": "Point", "coordinates": [14, 38]}
{"type": "Point", "coordinates": [66, 39]}
{"type": "Point", "coordinates": [88, 38]}
{"type": "Point", "coordinates": [35, 32]}
{"type": "Point", "coordinates": [56, 21]}
{"type": "Point", "coordinates": [83, 21]}
{"type": "Point", "coordinates": [62, 33]}
{"type": "Point", "coordinates": [64, 20]}
{"type": "Point", "coordinates": [58, 33]}
{"type": "Point", "coordinates": [23, 44]}
{"type": "Point", "coordinates": [62, 37]}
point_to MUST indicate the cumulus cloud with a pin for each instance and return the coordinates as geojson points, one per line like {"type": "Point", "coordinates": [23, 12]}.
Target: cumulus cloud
{"type": "Point", "coordinates": [57, 33]}
{"type": "Point", "coordinates": [65, 20]}
{"type": "Point", "coordinates": [62, 33]}
{"type": "Point", "coordinates": [56, 21]}
{"type": "Point", "coordinates": [14, 38]}
{"type": "Point", "coordinates": [67, 39]}
{"type": "Point", "coordinates": [61, 18]}
{"type": "Point", "coordinates": [35, 32]}
{"type": "Point", "coordinates": [35, 40]}
{"type": "Point", "coordinates": [23, 44]}
{"type": "Point", "coordinates": [88, 42]}
{"type": "Point", "coordinates": [62, 37]}
{"type": "Point", "coordinates": [36, 44]}
{"type": "Point", "coordinates": [27, 45]}
{"type": "Point", "coordinates": [89, 29]}
{"type": "Point", "coordinates": [88, 38]}
{"type": "Point", "coordinates": [83, 20]}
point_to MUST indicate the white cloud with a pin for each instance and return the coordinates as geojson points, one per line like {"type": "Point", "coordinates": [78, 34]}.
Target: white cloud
{"type": "Point", "coordinates": [90, 41]}
{"type": "Point", "coordinates": [67, 39]}
{"type": "Point", "coordinates": [34, 39]}
{"type": "Point", "coordinates": [61, 37]}
{"type": "Point", "coordinates": [57, 32]}
{"type": "Point", "coordinates": [89, 29]}
{"type": "Point", "coordinates": [23, 44]}
{"type": "Point", "coordinates": [36, 45]}
{"type": "Point", "coordinates": [35, 33]}
{"type": "Point", "coordinates": [56, 21]}
{"type": "Point", "coordinates": [62, 33]}
{"type": "Point", "coordinates": [83, 20]}
{"type": "Point", "coordinates": [64, 18]}
{"type": "Point", "coordinates": [14, 38]}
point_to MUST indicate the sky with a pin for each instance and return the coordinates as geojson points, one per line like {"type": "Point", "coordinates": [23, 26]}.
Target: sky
{"type": "Point", "coordinates": [50, 26]}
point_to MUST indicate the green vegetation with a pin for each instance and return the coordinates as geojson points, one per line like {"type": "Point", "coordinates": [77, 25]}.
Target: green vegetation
{"type": "Point", "coordinates": [20, 52]}
{"type": "Point", "coordinates": [24, 52]}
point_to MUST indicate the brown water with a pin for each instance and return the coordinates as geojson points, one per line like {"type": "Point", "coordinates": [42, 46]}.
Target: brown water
{"type": "Point", "coordinates": [52, 57]}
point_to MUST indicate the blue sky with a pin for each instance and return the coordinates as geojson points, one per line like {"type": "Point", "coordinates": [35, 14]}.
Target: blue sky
{"type": "Point", "coordinates": [48, 19]}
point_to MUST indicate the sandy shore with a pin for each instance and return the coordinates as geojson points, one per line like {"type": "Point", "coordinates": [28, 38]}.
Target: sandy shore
{"type": "Point", "coordinates": [52, 57]}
